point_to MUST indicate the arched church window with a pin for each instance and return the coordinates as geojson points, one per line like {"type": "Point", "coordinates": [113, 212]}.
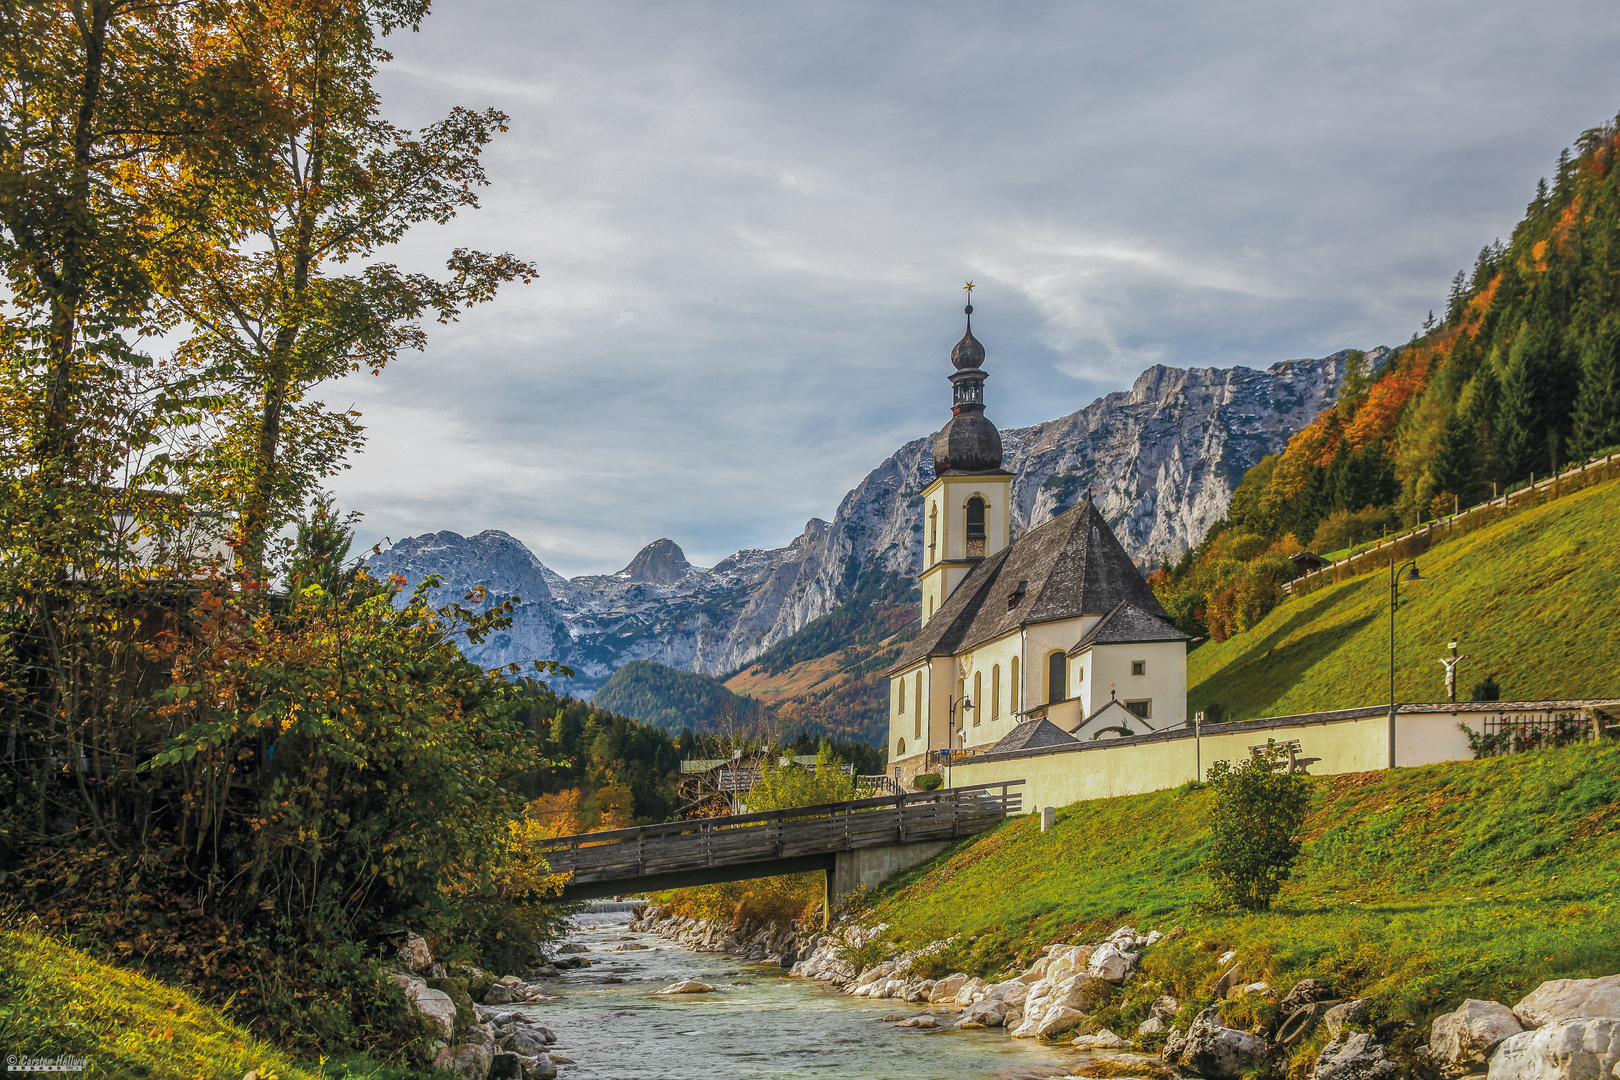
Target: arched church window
{"type": "Point", "coordinates": [916, 709]}
{"type": "Point", "coordinates": [1057, 678]}
{"type": "Point", "coordinates": [900, 706]}
{"type": "Point", "coordinates": [978, 696]}
{"type": "Point", "coordinates": [1013, 703]}
{"type": "Point", "coordinates": [900, 748]}
{"type": "Point", "coordinates": [933, 534]}
{"type": "Point", "coordinates": [975, 528]}
{"type": "Point", "coordinates": [995, 691]}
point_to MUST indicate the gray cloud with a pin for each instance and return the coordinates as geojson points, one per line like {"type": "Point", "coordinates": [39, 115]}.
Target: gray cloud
{"type": "Point", "coordinates": [753, 222]}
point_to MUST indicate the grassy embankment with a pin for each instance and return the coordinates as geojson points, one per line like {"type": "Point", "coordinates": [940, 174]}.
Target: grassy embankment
{"type": "Point", "coordinates": [1417, 888]}
{"type": "Point", "coordinates": [1533, 600]}
{"type": "Point", "coordinates": [56, 1000]}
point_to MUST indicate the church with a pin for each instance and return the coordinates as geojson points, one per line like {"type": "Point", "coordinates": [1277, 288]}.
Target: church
{"type": "Point", "coordinates": [1046, 640]}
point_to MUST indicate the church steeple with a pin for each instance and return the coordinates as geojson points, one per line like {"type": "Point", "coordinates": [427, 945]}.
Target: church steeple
{"type": "Point", "coordinates": [970, 443]}
{"type": "Point", "coordinates": [968, 505]}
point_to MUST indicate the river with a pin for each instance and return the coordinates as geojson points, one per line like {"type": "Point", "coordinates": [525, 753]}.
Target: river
{"type": "Point", "coordinates": [761, 1025]}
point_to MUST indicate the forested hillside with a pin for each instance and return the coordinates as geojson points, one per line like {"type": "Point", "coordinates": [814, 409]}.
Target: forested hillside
{"type": "Point", "coordinates": [673, 700]}
{"type": "Point", "coordinates": [1522, 374]}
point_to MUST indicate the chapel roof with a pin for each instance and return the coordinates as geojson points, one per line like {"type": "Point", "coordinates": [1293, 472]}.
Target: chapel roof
{"type": "Point", "coordinates": [1128, 624]}
{"type": "Point", "coordinates": [1032, 735]}
{"type": "Point", "coordinates": [1071, 566]}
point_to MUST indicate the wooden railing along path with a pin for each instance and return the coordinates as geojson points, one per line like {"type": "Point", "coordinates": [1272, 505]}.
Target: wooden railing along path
{"type": "Point", "coordinates": [778, 836]}
{"type": "Point", "coordinates": [1418, 540]}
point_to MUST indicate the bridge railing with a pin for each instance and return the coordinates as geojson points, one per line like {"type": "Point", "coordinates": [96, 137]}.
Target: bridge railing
{"type": "Point", "coordinates": [782, 834]}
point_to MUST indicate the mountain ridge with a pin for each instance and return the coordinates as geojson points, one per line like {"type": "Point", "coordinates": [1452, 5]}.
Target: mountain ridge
{"type": "Point", "coordinates": [1160, 460]}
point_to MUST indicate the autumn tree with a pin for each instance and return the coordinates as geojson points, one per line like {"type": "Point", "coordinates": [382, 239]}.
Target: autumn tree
{"type": "Point", "coordinates": [286, 291]}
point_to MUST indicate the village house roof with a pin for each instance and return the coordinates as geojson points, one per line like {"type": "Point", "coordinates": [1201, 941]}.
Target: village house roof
{"type": "Point", "coordinates": [1128, 624]}
{"type": "Point", "coordinates": [1073, 565]}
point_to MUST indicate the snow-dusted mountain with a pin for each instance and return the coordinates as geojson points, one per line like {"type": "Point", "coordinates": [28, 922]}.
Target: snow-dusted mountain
{"type": "Point", "coordinates": [1161, 461]}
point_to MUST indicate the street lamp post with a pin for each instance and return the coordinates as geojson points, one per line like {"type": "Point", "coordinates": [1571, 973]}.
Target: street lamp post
{"type": "Point", "coordinates": [963, 703]}
{"type": "Point", "coordinates": [1394, 598]}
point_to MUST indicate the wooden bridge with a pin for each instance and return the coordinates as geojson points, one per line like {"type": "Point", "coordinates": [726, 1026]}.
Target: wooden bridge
{"type": "Point", "coordinates": [855, 842]}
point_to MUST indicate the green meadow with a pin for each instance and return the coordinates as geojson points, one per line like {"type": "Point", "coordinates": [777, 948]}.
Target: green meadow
{"type": "Point", "coordinates": [1533, 600]}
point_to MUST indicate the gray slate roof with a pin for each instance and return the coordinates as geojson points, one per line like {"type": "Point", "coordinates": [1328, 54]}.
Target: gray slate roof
{"type": "Point", "coordinates": [1128, 624]}
{"type": "Point", "coordinates": [1070, 566]}
{"type": "Point", "coordinates": [1031, 735]}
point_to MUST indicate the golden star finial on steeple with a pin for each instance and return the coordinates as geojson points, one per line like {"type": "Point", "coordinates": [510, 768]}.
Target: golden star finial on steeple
{"type": "Point", "coordinates": [969, 289]}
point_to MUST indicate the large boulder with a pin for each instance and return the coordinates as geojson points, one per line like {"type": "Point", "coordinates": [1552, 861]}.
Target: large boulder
{"type": "Point", "coordinates": [947, 988]}
{"type": "Point", "coordinates": [1213, 1050]}
{"type": "Point", "coordinates": [986, 1012]}
{"type": "Point", "coordinates": [1058, 1020]}
{"type": "Point", "coordinates": [1587, 1048]}
{"type": "Point", "coordinates": [1567, 999]}
{"type": "Point", "coordinates": [1356, 1057]}
{"type": "Point", "coordinates": [1465, 1038]}
{"type": "Point", "coordinates": [971, 991]}
{"type": "Point", "coordinates": [435, 1006]}
{"type": "Point", "coordinates": [1305, 992]}
{"type": "Point", "coordinates": [505, 1067]}
{"type": "Point", "coordinates": [524, 1040]}
{"type": "Point", "coordinates": [1108, 961]}
{"type": "Point", "coordinates": [469, 1061]}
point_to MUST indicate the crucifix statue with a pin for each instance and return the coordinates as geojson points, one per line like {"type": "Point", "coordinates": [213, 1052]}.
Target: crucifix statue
{"type": "Point", "coordinates": [1451, 663]}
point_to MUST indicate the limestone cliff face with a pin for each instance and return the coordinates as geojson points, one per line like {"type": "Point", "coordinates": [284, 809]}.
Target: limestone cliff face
{"type": "Point", "coordinates": [1161, 461]}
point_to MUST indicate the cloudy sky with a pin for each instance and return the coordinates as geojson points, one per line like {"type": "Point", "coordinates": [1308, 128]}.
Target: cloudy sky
{"type": "Point", "coordinates": [753, 222]}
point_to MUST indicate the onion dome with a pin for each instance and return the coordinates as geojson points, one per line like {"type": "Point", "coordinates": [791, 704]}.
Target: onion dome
{"type": "Point", "coordinates": [970, 443]}
{"type": "Point", "coordinates": [968, 352]}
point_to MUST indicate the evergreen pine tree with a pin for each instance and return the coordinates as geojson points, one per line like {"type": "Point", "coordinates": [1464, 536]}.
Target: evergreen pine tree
{"type": "Point", "coordinates": [1597, 405]}
{"type": "Point", "coordinates": [1536, 399]}
{"type": "Point", "coordinates": [1455, 468]}
{"type": "Point", "coordinates": [1458, 297]}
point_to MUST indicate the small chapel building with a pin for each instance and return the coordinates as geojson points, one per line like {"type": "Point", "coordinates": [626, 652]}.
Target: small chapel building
{"type": "Point", "coordinates": [1051, 638]}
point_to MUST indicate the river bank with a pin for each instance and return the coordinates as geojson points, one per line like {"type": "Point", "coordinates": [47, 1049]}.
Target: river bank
{"type": "Point", "coordinates": [758, 1024]}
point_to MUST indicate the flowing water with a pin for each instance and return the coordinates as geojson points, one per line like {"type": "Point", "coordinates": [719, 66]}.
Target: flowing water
{"type": "Point", "coordinates": [760, 1025]}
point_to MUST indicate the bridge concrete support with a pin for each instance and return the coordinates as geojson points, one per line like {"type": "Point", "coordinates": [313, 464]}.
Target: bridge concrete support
{"type": "Point", "coordinates": [870, 866]}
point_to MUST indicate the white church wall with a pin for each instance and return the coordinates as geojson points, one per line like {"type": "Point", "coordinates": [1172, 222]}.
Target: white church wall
{"type": "Point", "coordinates": [1109, 673]}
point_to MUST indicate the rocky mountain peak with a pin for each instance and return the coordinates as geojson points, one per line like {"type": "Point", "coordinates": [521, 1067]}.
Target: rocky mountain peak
{"type": "Point", "coordinates": [661, 562]}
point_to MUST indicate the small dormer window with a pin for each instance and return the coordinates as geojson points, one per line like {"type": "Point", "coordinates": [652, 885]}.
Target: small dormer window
{"type": "Point", "coordinates": [1017, 595]}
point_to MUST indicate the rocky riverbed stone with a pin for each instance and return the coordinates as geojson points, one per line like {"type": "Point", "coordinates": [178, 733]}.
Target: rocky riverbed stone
{"type": "Point", "coordinates": [1586, 1048]}
{"type": "Point", "coordinates": [1213, 1050]}
{"type": "Point", "coordinates": [1354, 1057]}
{"type": "Point", "coordinates": [1102, 1040]}
{"type": "Point", "coordinates": [1568, 999]}
{"type": "Point", "coordinates": [687, 986]}
{"type": "Point", "coordinates": [1465, 1038]}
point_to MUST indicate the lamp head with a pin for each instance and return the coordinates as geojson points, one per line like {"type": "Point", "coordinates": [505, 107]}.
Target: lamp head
{"type": "Point", "coordinates": [967, 703]}
{"type": "Point", "coordinates": [1412, 575]}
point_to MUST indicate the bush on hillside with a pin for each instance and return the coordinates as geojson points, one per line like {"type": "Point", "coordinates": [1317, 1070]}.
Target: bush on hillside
{"type": "Point", "coordinates": [1259, 809]}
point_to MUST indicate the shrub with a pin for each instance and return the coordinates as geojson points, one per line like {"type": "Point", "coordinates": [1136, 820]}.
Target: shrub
{"type": "Point", "coordinates": [928, 782]}
{"type": "Point", "coordinates": [1259, 809]}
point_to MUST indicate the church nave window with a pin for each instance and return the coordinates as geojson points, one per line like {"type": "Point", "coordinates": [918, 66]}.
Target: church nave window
{"type": "Point", "coordinates": [978, 697]}
{"type": "Point", "coordinates": [1057, 678]}
{"type": "Point", "coordinates": [995, 692]}
{"type": "Point", "coordinates": [1013, 702]}
{"type": "Point", "coordinates": [916, 709]}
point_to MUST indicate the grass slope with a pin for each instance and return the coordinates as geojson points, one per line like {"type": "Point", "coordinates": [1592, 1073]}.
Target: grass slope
{"type": "Point", "coordinates": [56, 1000]}
{"type": "Point", "coordinates": [1417, 888]}
{"type": "Point", "coordinates": [1533, 600]}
